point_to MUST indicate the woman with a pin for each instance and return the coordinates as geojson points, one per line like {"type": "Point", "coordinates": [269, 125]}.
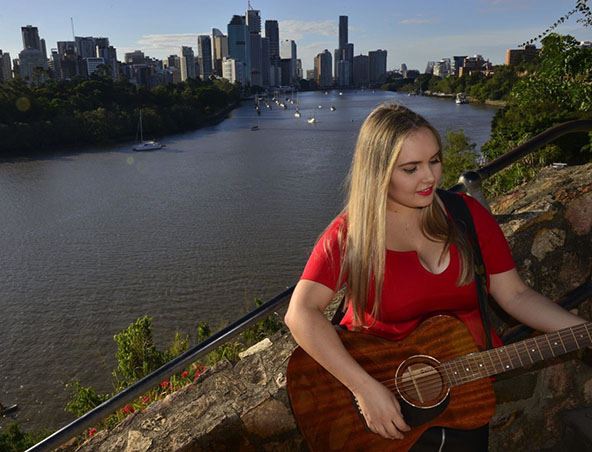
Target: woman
{"type": "Point", "coordinates": [403, 260]}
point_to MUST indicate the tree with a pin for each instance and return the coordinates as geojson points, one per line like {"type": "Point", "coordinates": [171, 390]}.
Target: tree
{"type": "Point", "coordinates": [586, 20]}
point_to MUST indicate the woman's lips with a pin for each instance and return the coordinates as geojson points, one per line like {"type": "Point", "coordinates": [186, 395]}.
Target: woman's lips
{"type": "Point", "coordinates": [426, 192]}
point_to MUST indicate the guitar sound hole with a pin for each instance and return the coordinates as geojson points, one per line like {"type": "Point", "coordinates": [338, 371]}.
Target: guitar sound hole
{"type": "Point", "coordinates": [420, 381]}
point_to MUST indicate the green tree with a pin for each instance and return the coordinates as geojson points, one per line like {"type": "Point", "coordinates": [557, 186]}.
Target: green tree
{"type": "Point", "coordinates": [459, 156]}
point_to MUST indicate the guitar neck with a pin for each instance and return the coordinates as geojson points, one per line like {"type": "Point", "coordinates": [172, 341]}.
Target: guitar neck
{"type": "Point", "coordinates": [519, 354]}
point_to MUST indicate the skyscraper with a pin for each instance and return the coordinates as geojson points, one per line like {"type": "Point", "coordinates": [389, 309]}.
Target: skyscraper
{"type": "Point", "coordinates": [344, 52]}
{"type": "Point", "coordinates": [254, 62]}
{"type": "Point", "coordinates": [323, 69]}
{"type": "Point", "coordinates": [219, 50]}
{"type": "Point", "coordinates": [272, 32]}
{"type": "Point", "coordinates": [204, 48]}
{"type": "Point", "coordinates": [5, 66]}
{"type": "Point", "coordinates": [342, 31]}
{"type": "Point", "coordinates": [187, 63]}
{"type": "Point", "coordinates": [31, 37]}
{"type": "Point", "coordinates": [377, 66]}
{"type": "Point", "coordinates": [238, 43]}
{"type": "Point", "coordinates": [288, 52]}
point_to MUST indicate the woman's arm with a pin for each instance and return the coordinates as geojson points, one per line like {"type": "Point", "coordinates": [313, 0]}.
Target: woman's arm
{"type": "Point", "coordinates": [317, 336]}
{"type": "Point", "coordinates": [527, 305]}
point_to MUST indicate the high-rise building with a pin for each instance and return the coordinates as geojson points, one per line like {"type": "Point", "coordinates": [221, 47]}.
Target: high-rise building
{"type": "Point", "coordinates": [30, 59]}
{"type": "Point", "coordinates": [109, 55]}
{"type": "Point", "coordinates": [238, 43]}
{"type": "Point", "coordinates": [219, 50]}
{"type": "Point", "coordinates": [30, 37]}
{"type": "Point", "coordinates": [135, 57]}
{"type": "Point", "coordinates": [345, 52]}
{"type": "Point", "coordinates": [526, 53]}
{"type": "Point", "coordinates": [5, 66]}
{"type": "Point", "coordinates": [361, 70]}
{"type": "Point", "coordinates": [187, 63]}
{"type": "Point", "coordinates": [342, 31]}
{"type": "Point", "coordinates": [288, 52]}
{"type": "Point", "coordinates": [272, 32]}
{"type": "Point", "coordinates": [265, 62]}
{"type": "Point", "coordinates": [204, 48]}
{"type": "Point", "coordinates": [323, 69]}
{"type": "Point", "coordinates": [377, 66]}
{"type": "Point", "coordinates": [254, 63]}
{"type": "Point", "coordinates": [233, 70]}
{"type": "Point", "coordinates": [64, 46]}
{"type": "Point", "coordinates": [457, 63]}
{"type": "Point", "coordinates": [85, 46]}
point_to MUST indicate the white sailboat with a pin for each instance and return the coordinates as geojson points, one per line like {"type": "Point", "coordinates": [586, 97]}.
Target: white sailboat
{"type": "Point", "coordinates": [297, 112]}
{"type": "Point", "coordinates": [312, 119]}
{"type": "Point", "coordinates": [145, 145]}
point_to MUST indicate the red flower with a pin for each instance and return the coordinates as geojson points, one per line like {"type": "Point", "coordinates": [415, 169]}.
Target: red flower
{"type": "Point", "coordinates": [92, 431]}
{"type": "Point", "coordinates": [145, 399]}
{"type": "Point", "coordinates": [128, 409]}
{"type": "Point", "coordinates": [165, 384]}
{"type": "Point", "coordinates": [184, 374]}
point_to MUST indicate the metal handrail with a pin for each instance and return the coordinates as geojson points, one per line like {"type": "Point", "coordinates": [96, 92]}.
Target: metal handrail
{"type": "Point", "coordinates": [469, 182]}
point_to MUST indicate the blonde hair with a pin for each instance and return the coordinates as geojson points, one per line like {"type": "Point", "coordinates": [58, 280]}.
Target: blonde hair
{"type": "Point", "coordinates": [363, 234]}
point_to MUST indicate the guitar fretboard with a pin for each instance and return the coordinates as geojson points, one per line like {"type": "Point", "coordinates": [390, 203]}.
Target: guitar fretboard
{"type": "Point", "coordinates": [502, 359]}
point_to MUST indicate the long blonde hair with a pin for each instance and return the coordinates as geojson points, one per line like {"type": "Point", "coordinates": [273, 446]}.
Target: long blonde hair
{"type": "Point", "coordinates": [363, 236]}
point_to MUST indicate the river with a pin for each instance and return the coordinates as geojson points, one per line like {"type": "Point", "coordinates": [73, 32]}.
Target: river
{"type": "Point", "coordinates": [94, 238]}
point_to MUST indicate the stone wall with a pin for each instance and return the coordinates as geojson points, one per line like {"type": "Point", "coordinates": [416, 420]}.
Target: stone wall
{"type": "Point", "coordinates": [244, 405]}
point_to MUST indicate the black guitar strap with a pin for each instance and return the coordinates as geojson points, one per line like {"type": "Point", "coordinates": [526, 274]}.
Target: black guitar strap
{"type": "Point", "coordinates": [459, 211]}
{"type": "Point", "coordinates": [461, 216]}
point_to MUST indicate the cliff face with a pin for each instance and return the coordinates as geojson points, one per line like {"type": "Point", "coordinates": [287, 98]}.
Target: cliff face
{"type": "Point", "coordinates": [244, 406]}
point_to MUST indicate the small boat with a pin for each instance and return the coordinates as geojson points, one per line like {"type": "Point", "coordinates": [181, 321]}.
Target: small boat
{"type": "Point", "coordinates": [461, 98]}
{"type": "Point", "coordinates": [145, 145]}
{"type": "Point", "coordinates": [340, 93]}
{"type": "Point", "coordinates": [297, 114]}
{"type": "Point", "coordinates": [311, 120]}
{"type": "Point", "coordinates": [332, 108]}
{"type": "Point", "coordinates": [255, 128]}
{"type": "Point", "coordinates": [320, 106]}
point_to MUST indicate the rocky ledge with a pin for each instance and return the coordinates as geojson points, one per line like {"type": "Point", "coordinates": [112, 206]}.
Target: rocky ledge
{"type": "Point", "coordinates": [244, 405]}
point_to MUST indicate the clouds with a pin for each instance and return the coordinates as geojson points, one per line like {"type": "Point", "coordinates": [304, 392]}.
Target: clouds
{"type": "Point", "coordinates": [298, 30]}
{"type": "Point", "coordinates": [418, 20]}
{"type": "Point", "coordinates": [165, 44]}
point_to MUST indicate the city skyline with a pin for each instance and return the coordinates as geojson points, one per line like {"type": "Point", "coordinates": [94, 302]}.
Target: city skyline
{"type": "Point", "coordinates": [411, 34]}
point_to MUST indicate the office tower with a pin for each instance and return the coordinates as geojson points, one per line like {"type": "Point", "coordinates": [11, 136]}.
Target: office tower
{"type": "Point", "coordinates": [30, 37]}
{"type": "Point", "coordinates": [135, 57]}
{"type": "Point", "coordinates": [272, 33]}
{"type": "Point", "coordinates": [361, 70]}
{"type": "Point", "coordinates": [187, 63]}
{"type": "Point", "coordinates": [29, 59]}
{"type": "Point", "coordinates": [219, 50]}
{"type": "Point", "coordinates": [323, 71]}
{"type": "Point", "coordinates": [265, 62]}
{"type": "Point", "coordinates": [64, 46]}
{"type": "Point", "coordinates": [5, 66]}
{"type": "Point", "coordinates": [342, 31]}
{"type": "Point", "coordinates": [345, 52]}
{"type": "Point", "coordinates": [457, 63]}
{"type": "Point", "coordinates": [343, 71]}
{"type": "Point", "coordinates": [377, 66]}
{"type": "Point", "coordinates": [288, 52]}
{"type": "Point", "coordinates": [238, 43]}
{"type": "Point", "coordinates": [254, 61]}
{"type": "Point", "coordinates": [85, 46]}
{"type": "Point", "coordinates": [109, 55]}
{"type": "Point", "coordinates": [204, 48]}
{"type": "Point", "coordinates": [233, 70]}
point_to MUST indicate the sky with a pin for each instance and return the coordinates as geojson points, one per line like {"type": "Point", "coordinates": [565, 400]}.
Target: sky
{"type": "Point", "coordinates": [412, 32]}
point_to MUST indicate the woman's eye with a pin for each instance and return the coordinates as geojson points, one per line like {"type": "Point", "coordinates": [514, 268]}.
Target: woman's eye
{"type": "Point", "coordinates": [435, 161]}
{"type": "Point", "coordinates": [410, 170]}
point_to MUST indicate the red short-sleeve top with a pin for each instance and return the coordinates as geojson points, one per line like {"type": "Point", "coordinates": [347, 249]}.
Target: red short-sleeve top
{"type": "Point", "coordinates": [411, 293]}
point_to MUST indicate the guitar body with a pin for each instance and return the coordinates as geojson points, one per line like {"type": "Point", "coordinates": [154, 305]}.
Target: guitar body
{"type": "Point", "coordinates": [326, 411]}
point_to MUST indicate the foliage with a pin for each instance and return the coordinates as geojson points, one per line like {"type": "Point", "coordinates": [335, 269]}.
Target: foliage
{"type": "Point", "coordinates": [14, 439]}
{"type": "Point", "coordinates": [586, 20]}
{"type": "Point", "coordinates": [39, 116]}
{"type": "Point", "coordinates": [459, 156]}
{"type": "Point", "coordinates": [83, 399]}
{"type": "Point", "coordinates": [136, 355]}
{"type": "Point", "coordinates": [559, 90]}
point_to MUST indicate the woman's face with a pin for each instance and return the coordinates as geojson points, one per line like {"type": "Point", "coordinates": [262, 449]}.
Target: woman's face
{"type": "Point", "coordinates": [417, 172]}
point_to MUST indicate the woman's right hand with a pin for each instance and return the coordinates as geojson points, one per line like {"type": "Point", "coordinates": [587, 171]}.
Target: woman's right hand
{"type": "Point", "coordinates": [381, 410]}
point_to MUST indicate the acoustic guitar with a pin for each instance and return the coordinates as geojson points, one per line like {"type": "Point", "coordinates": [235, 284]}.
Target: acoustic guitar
{"type": "Point", "coordinates": [437, 374]}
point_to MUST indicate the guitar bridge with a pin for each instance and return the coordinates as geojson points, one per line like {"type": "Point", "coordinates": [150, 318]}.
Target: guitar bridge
{"type": "Point", "coordinates": [356, 405]}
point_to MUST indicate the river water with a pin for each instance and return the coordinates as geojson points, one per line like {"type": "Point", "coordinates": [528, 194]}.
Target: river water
{"type": "Point", "coordinates": [94, 238]}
